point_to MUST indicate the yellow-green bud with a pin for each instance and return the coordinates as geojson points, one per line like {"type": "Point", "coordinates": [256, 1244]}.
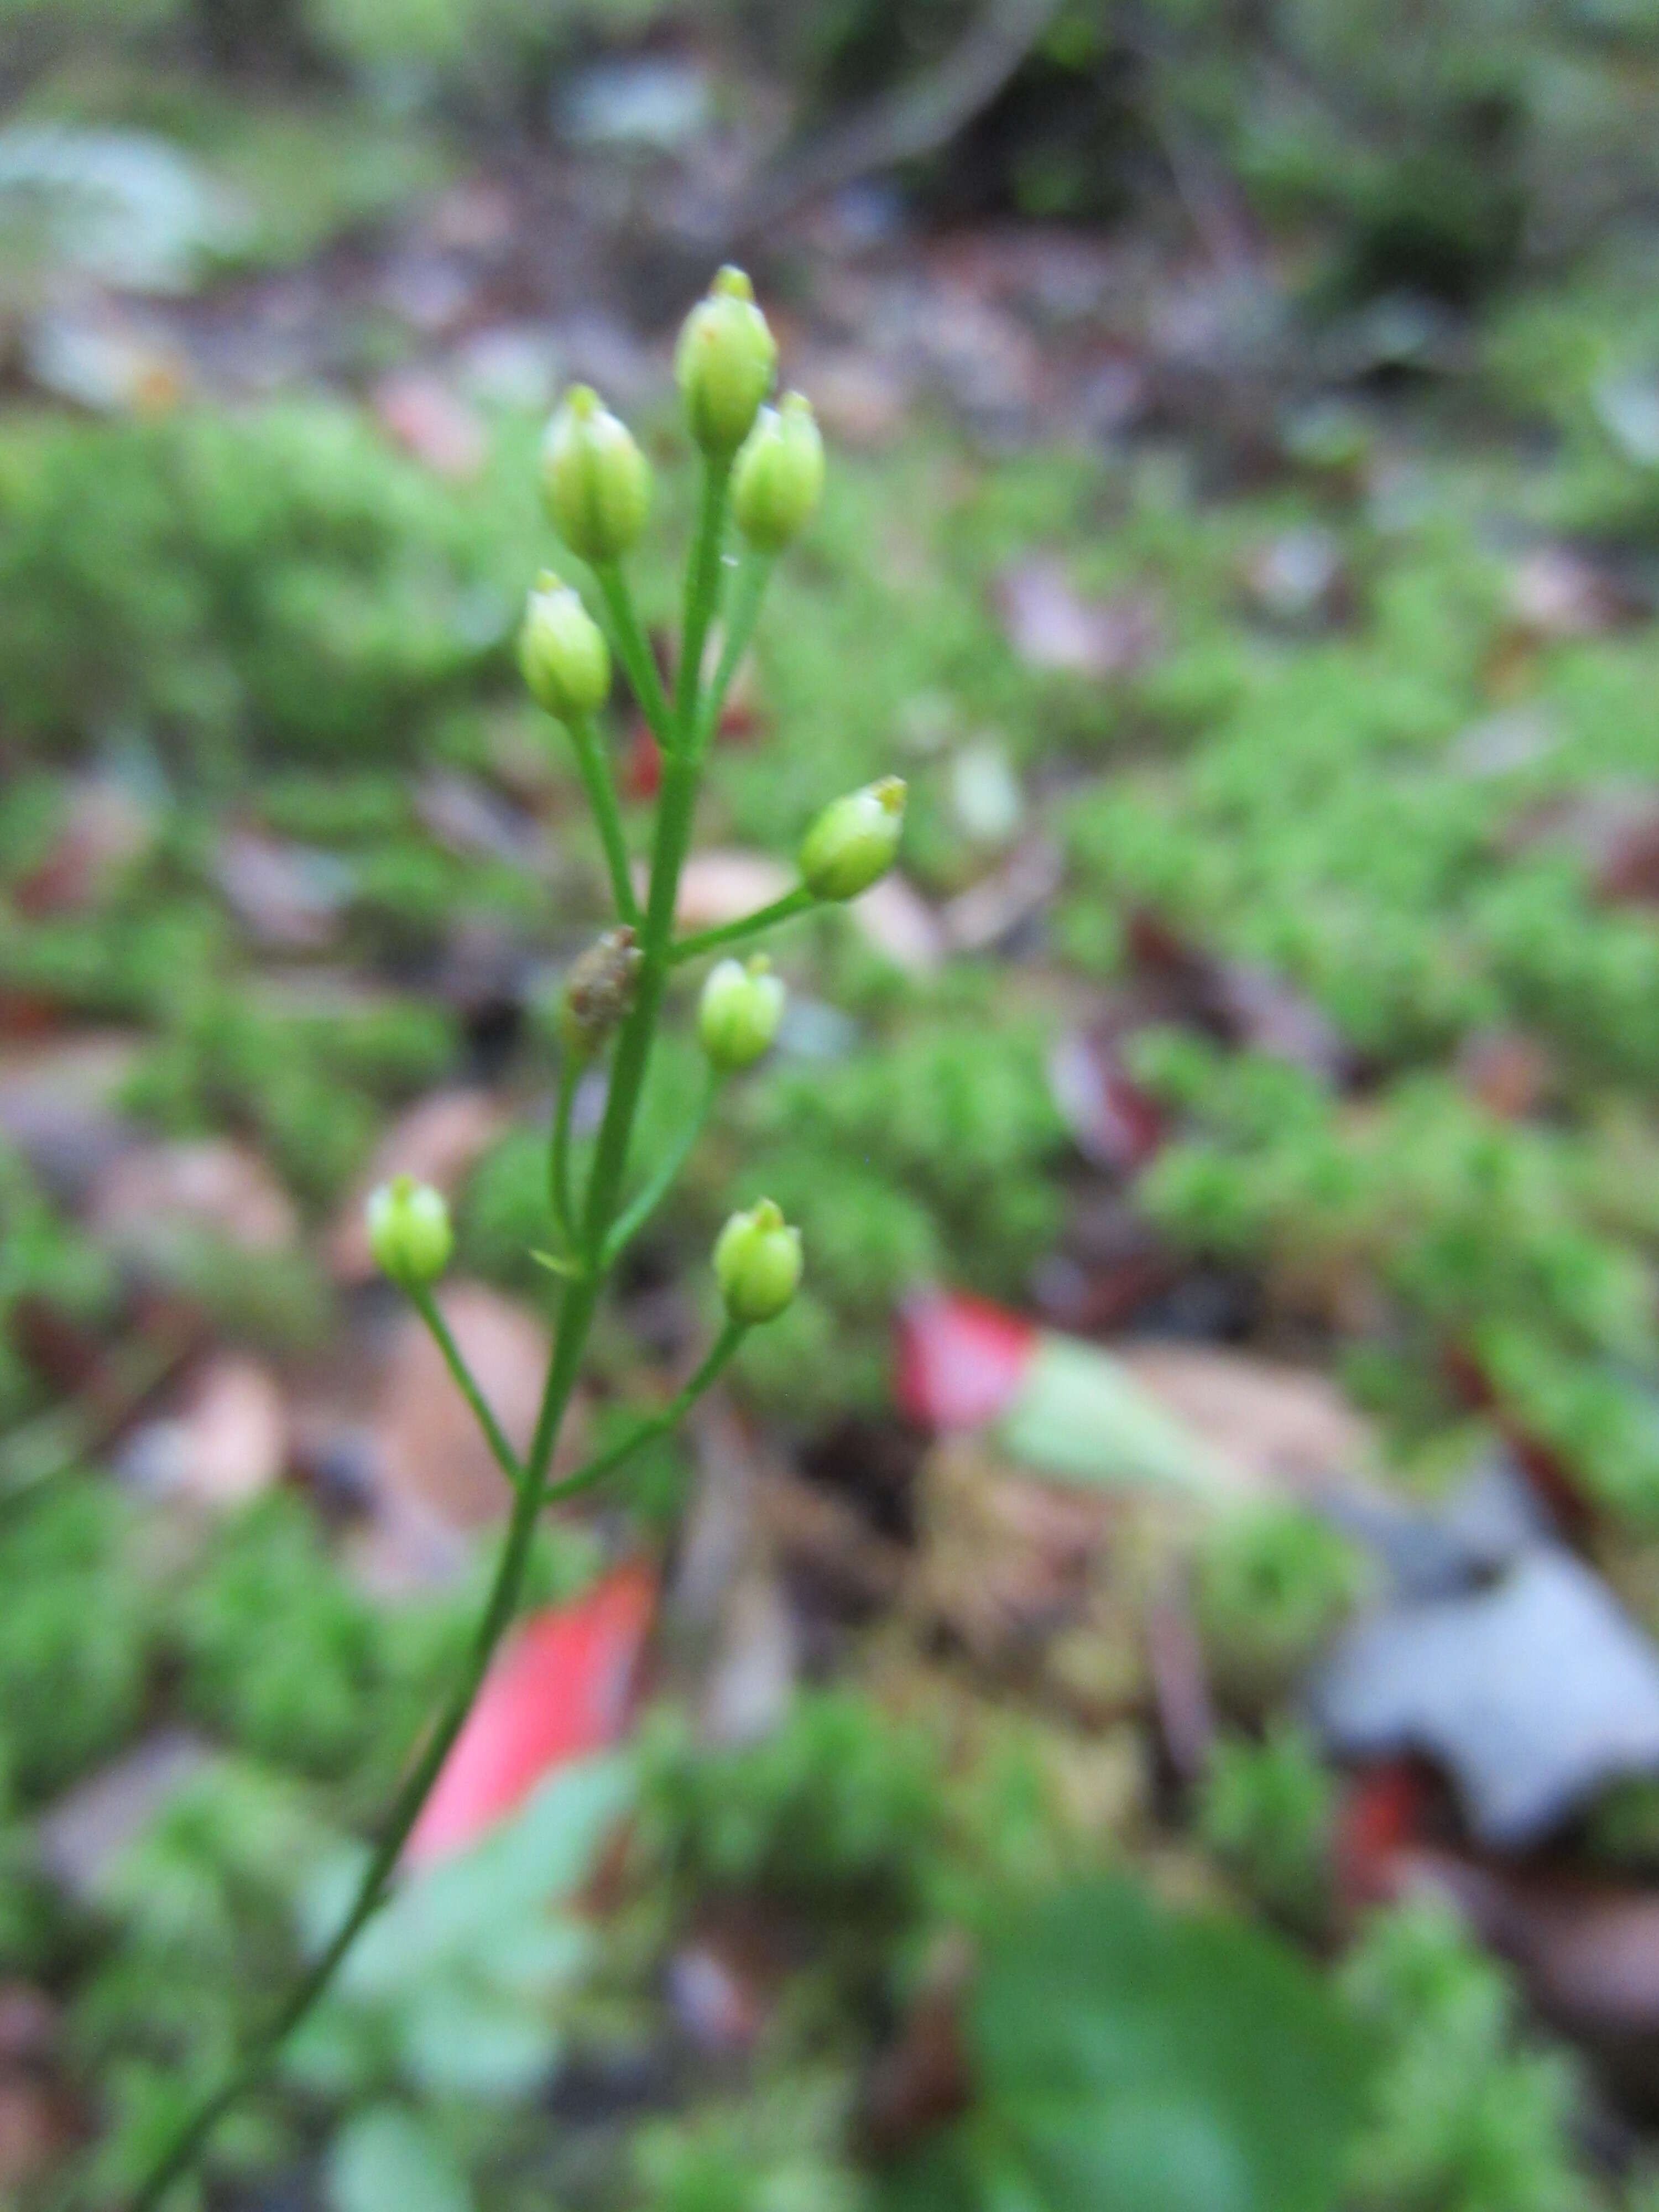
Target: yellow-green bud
{"type": "Point", "coordinates": [596, 483]}
{"type": "Point", "coordinates": [778, 477]}
{"type": "Point", "coordinates": [757, 1264]}
{"type": "Point", "coordinates": [562, 651]}
{"type": "Point", "coordinates": [409, 1230]}
{"type": "Point", "coordinates": [725, 360]}
{"type": "Point", "coordinates": [854, 840]}
{"type": "Point", "coordinates": [739, 1014]}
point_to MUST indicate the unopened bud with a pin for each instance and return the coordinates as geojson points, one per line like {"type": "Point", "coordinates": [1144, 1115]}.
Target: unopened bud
{"type": "Point", "coordinates": [757, 1264]}
{"type": "Point", "coordinates": [778, 477]}
{"type": "Point", "coordinates": [596, 483]}
{"type": "Point", "coordinates": [854, 840]}
{"type": "Point", "coordinates": [725, 361]}
{"type": "Point", "coordinates": [562, 651]}
{"type": "Point", "coordinates": [598, 992]}
{"type": "Point", "coordinates": [739, 1014]}
{"type": "Point", "coordinates": [409, 1230]}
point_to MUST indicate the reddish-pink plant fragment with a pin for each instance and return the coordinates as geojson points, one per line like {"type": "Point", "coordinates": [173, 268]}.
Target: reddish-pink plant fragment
{"type": "Point", "coordinates": [562, 1688]}
{"type": "Point", "coordinates": [1379, 1819]}
{"type": "Point", "coordinates": [961, 1359]}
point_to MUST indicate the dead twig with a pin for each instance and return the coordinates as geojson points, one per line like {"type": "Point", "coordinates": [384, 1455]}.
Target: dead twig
{"type": "Point", "coordinates": [910, 120]}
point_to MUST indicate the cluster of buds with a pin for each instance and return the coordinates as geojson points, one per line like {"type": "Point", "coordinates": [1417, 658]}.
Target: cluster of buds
{"type": "Point", "coordinates": [757, 1255]}
{"type": "Point", "coordinates": [763, 469]}
{"type": "Point", "coordinates": [596, 484]}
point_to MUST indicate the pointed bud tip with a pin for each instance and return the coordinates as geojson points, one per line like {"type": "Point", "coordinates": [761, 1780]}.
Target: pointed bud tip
{"type": "Point", "coordinates": [739, 1013]}
{"type": "Point", "coordinates": [778, 477]}
{"type": "Point", "coordinates": [409, 1232]}
{"type": "Point", "coordinates": [854, 840]}
{"type": "Point", "coordinates": [757, 1264]}
{"type": "Point", "coordinates": [724, 363]}
{"type": "Point", "coordinates": [596, 483]}
{"type": "Point", "coordinates": [562, 653]}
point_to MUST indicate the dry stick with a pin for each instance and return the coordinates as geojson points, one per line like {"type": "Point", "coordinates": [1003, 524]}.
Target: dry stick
{"type": "Point", "coordinates": [910, 120]}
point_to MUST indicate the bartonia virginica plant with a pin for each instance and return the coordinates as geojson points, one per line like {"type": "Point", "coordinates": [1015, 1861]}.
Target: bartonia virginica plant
{"type": "Point", "coordinates": [763, 470]}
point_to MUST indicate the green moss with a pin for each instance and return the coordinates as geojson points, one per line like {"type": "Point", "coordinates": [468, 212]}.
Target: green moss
{"type": "Point", "coordinates": [282, 1655]}
{"type": "Point", "coordinates": [76, 1633]}
{"type": "Point", "coordinates": [837, 1811]}
{"type": "Point", "coordinates": [281, 582]}
{"type": "Point", "coordinates": [1462, 2112]}
{"type": "Point", "coordinates": [1272, 1582]}
{"type": "Point", "coordinates": [1267, 1811]}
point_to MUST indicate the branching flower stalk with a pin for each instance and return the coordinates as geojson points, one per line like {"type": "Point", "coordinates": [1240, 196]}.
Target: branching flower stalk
{"type": "Point", "coordinates": [762, 470]}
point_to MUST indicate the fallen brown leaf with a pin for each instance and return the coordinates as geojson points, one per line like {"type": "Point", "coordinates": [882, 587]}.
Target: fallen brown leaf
{"type": "Point", "coordinates": [1051, 625]}
{"type": "Point", "coordinates": [432, 422]}
{"type": "Point", "coordinates": [721, 886]}
{"type": "Point", "coordinates": [1281, 1428]}
{"type": "Point", "coordinates": [81, 1834]}
{"type": "Point", "coordinates": [227, 1442]}
{"type": "Point", "coordinates": [428, 1447]}
{"type": "Point", "coordinates": [213, 1184]}
{"type": "Point", "coordinates": [105, 827]}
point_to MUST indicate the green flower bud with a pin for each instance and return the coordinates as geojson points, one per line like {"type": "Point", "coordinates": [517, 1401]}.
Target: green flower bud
{"type": "Point", "coordinates": [854, 840]}
{"type": "Point", "coordinates": [739, 1011]}
{"type": "Point", "coordinates": [409, 1230]}
{"type": "Point", "coordinates": [779, 475]}
{"type": "Point", "coordinates": [725, 360]}
{"type": "Point", "coordinates": [757, 1264]}
{"type": "Point", "coordinates": [596, 483]}
{"type": "Point", "coordinates": [562, 651]}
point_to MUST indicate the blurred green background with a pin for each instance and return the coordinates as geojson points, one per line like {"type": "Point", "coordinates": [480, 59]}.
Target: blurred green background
{"type": "Point", "coordinates": [1242, 533]}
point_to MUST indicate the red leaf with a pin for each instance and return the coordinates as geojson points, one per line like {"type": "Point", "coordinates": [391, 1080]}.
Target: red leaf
{"type": "Point", "coordinates": [1380, 1817]}
{"type": "Point", "coordinates": [1112, 1120]}
{"type": "Point", "coordinates": [642, 772]}
{"type": "Point", "coordinates": [562, 1688]}
{"type": "Point", "coordinates": [960, 1359]}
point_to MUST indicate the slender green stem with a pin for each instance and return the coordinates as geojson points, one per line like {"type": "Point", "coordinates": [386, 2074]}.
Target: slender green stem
{"type": "Point", "coordinates": [602, 798]}
{"type": "Point", "coordinates": [703, 592]}
{"type": "Point", "coordinates": [421, 1297]}
{"type": "Point", "coordinates": [659, 1425]}
{"type": "Point", "coordinates": [575, 1319]}
{"type": "Point", "coordinates": [560, 1187]}
{"type": "Point", "coordinates": [628, 1224]}
{"type": "Point", "coordinates": [675, 808]}
{"type": "Point", "coordinates": [633, 1053]}
{"type": "Point", "coordinates": [633, 649]}
{"type": "Point", "coordinates": [799, 901]}
{"type": "Point", "coordinates": [747, 592]}
{"type": "Point", "coordinates": [577, 1308]}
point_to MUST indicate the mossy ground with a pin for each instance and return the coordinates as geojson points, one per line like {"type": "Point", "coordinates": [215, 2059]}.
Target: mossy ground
{"type": "Point", "coordinates": [265, 621]}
